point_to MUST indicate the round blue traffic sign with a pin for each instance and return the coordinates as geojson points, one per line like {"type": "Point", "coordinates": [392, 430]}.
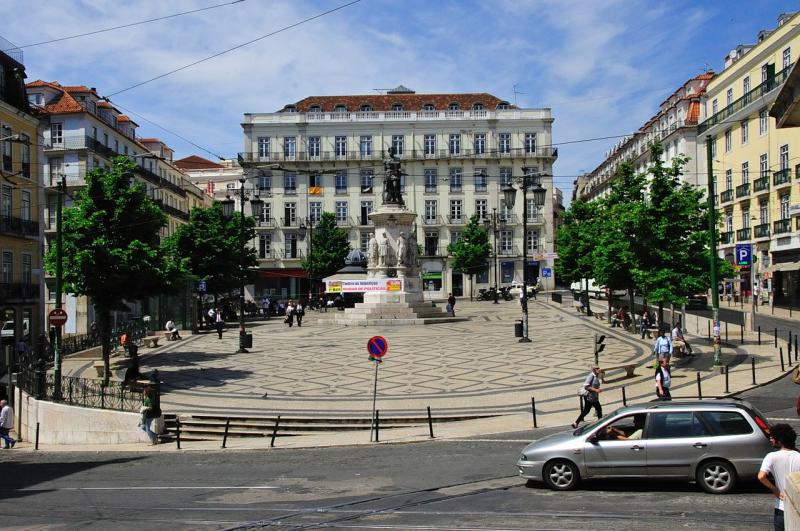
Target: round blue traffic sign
{"type": "Point", "coordinates": [377, 346]}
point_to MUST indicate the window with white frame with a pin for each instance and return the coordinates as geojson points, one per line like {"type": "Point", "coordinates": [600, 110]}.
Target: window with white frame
{"type": "Point", "coordinates": [25, 205]}
{"type": "Point", "coordinates": [366, 209]}
{"type": "Point", "coordinates": [505, 176]}
{"type": "Point", "coordinates": [290, 246]}
{"type": "Point", "coordinates": [340, 146]}
{"type": "Point", "coordinates": [429, 144]}
{"type": "Point", "coordinates": [745, 172]}
{"type": "Point", "coordinates": [762, 122]}
{"type": "Point", "coordinates": [289, 147]}
{"type": "Point", "coordinates": [713, 146]}
{"type": "Point", "coordinates": [5, 132]}
{"type": "Point", "coordinates": [456, 210]}
{"type": "Point", "coordinates": [787, 58]}
{"type": "Point", "coordinates": [714, 106]}
{"type": "Point", "coordinates": [428, 107]}
{"type": "Point", "coordinates": [745, 217]}
{"type": "Point", "coordinates": [6, 207]}
{"type": "Point", "coordinates": [264, 183]}
{"type": "Point", "coordinates": [728, 179]}
{"type": "Point", "coordinates": [455, 144]}
{"type": "Point", "coordinates": [340, 181]}
{"type": "Point", "coordinates": [56, 134]}
{"type": "Point", "coordinates": [363, 241]}
{"type": "Point", "coordinates": [366, 177]}
{"type": "Point", "coordinates": [265, 214]}
{"type": "Point", "coordinates": [728, 140]}
{"type": "Point", "coordinates": [25, 154]}
{"type": "Point", "coordinates": [480, 143]}
{"type": "Point", "coordinates": [763, 212]}
{"type": "Point", "coordinates": [763, 165]}
{"type": "Point", "coordinates": [314, 181]}
{"type": "Point", "coordinates": [315, 108]}
{"type": "Point", "coordinates": [431, 243]}
{"type": "Point", "coordinates": [265, 245]}
{"type": "Point", "coordinates": [729, 221]}
{"type": "Point", "coordinates": [746, 85]}
{"type": "Point", "coordinates": [340, 108]}
{"type": "Point", "coordinates": [506, 242]}
{"type": "Point", "coordinates": [784, 201]}
{"type": "Point", "coordinates": [455, 236]}
{"type": "Point", "coordinates": [456, 180]}
{"type": "Point", "coordinates": [431, 179]}
{"type": "Point", "coordinates": [397, 107]}
{"type": "Point", "coordinates": [289, 214]}
{"type": "Point", "coordinates": [506, 211]}
{"type": "Point", "coordinates": [397, 144]}
{"type": "Point", "coordinates": [532, 210]}
{"type": "Point", "coordinates": [482, 209]}
{"type": "Point", "coordinates": [341, 211]}
{"type": "Point", "coordinates": [530, 142]}
{"type": "Point", "coordinates": [314, 146]}
{"type": "Point", "coordinates": [504, 144]}
{"type": "Point", "coordinates": [315, 211]}
{"type": "Point", "coordinates": [365, 146]}
{"type": "Point", "coordinates": [289, 183]}
{"type": "Point", "coordinates": [430, 210]}
{"type": "Point", "coordinates": [8, 267]}
{"type": "Point", "coordinates": [729, 96]}
{"type": "Point", "coordinates": [532, 241]}
{"type": "Point", "coordinates": [745, 129]}
{"type": "Point", "coordinates": [27, 268]}
{"type": "Point", "coordinates": [784, 157]}
{"type": "Point", "coordinates": [366, 108]}
{"type": "Point", "coordinates": [481, 180]}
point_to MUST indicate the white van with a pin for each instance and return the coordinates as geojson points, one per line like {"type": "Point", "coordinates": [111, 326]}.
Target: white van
{"type": "Point", "coordinates": [598, 292]}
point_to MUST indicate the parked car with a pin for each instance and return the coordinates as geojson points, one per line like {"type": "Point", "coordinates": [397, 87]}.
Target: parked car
{"type": "Point", "coordinates": [712, 442]}
{"type": "Point", "coordinates": [516, 287]}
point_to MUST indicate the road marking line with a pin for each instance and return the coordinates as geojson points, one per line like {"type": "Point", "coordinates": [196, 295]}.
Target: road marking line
{"type": "Point", "coordinates": [152, 488]}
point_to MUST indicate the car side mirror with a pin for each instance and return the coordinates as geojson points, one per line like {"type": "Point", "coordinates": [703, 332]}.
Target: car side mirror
{"type": "Point", "coordinates": [592, 440]}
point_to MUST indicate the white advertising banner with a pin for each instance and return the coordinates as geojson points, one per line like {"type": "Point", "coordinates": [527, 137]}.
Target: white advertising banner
{"type": "Point", "coordinates": [363, 286]}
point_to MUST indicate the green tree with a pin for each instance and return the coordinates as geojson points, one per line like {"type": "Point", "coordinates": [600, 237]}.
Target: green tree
{"type": "Point", "coordinates": [111, 247]}
{"type": "Point", "coordinates": [208, 247]}
{"type": "Point", "coordinates": [329, 247]}
{"type": "Point", "coordinates": [471, 251]}
{"type": "Point", "coordinates": [576, 239]}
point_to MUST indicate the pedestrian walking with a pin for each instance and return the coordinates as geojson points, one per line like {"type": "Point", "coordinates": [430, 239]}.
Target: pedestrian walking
{"type": "Point", "coordinates": [148, 413]}
{"type": "Point", "coordinates": [219, 321]}
{"type": "Point", "coordinates": [289, 313]}
{"type": "Point", "coordinates": [780, 464]}
{"type": "Point", "coordinates": [662, 348]}
{"type": "Point", "coordinates": [451, 305]}
{"type": "Point", "coordinates": [6, 424]}
{"type": "Point", "coordinates": [647, 323]}
{"type": "Point", "coordinates": [663, 380]}
{"type": "Point", "coordinates": [590, 391]}
{"type": "Point", "coordinates": [299, 313]}
{"type": "Point", "coordinates": [265, 306]}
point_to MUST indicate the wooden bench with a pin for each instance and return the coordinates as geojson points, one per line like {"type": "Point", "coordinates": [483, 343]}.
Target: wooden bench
{"type": "Point", "coordinates": [113, 364]}
{"type": "Point", "coordinates": [151, 341]}
{"type": "Point", "coordinates": [629, 368]}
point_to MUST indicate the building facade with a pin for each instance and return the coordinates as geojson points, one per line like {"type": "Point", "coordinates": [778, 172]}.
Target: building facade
{"type": "Point", "coordinates": [755, 163]}
{"type": "Point", "coordinates": [325, 153]}
{"type": "Point", "coordinates": [675, 126]}
{"type": "Point", "coordinates": [83, 131]}
{"type": "Point", "coordinates": [21, 198]}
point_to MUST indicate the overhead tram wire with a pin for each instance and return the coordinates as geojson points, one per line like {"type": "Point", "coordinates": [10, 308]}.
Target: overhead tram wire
{"type": "Point", "coordinates": [242, 45]}
{"type": "Point", "coordinates": [60, 39]}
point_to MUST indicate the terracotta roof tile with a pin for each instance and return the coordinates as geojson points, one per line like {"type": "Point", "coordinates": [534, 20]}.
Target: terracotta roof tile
{"type": "Point", "coordinates": [194, 162]}
{"type": "Point", "coordinates": [410, 102]}
{"type": "Point", "coordinates": [149, 140]}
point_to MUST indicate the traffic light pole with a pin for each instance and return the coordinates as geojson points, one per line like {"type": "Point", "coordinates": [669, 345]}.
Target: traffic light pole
{"type": "Point", "coordinates": [712, 259]}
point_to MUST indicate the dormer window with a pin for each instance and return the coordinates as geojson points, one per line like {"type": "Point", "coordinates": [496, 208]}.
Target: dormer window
{"type": "Point", "coordinates": [340, 108]}
{"type": "Point", "coordinates": [503, 106]}
{"type": "Point", "coordinates": [429, 107]}
{"type": "Point", "coordinates": [366, 108]}
{"type": "Point", "coordinates": [36, 99]}
{"type": "Point", "coordinates": [290, 108]}
{"type": "Point", "coordinates": [477, 106]}
{"type": "Point", "coordinates": [397, 107]}
{"type": "Point", "coordinates": [453, 106]}
{"type": "Point", "coordinates": [315, 108]}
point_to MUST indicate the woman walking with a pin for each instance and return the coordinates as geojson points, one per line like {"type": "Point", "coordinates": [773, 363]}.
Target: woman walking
{"type": "Point", "coordinates": [289, 313]}
{"type": "Point", "coordinates": [299, 312]}
{"type": "Point", "coordinates": [663, 380]}
{"type": "Point", "coordinates": [591, 398]}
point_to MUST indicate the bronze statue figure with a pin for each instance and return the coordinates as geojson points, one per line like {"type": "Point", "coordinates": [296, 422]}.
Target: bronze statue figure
{"type": "Point", "coordinates": [391, 180]}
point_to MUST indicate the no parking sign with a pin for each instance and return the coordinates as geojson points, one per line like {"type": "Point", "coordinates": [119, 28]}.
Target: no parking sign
{"type": "Point", "coordinates": [377, 347]}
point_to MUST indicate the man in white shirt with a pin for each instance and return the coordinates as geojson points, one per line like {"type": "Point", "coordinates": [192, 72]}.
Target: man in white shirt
{"type": "Point", "coordinates": [6, 424]}
{"type": "Point", "coordinates": [780, 464]}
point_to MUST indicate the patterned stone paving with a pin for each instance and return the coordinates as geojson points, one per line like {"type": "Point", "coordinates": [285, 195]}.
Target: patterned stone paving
{"type": "Point", "coordinates": [466, 367]}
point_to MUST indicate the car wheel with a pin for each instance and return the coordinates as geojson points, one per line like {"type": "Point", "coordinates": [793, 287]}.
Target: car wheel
{"type": "Point", "coordinates": [561, 475]}
{"type": "Point", "coordinates": [716, 477]}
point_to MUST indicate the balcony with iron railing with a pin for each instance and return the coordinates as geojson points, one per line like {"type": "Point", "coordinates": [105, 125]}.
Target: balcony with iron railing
{"type": "Point", "coordinates": [761, 185]}
{"type": "Point", "coordinates": [291, 254]}
{"type": "Point", "coordinates": [432, 220]}
{"type": "Point", "coordinates": [538, 219]}
{"type": "Point", "coordinates": [268, 223]}
{"type": "Point", "coordinates": [172, 211]}
{"type": "Point", "coordinates": [782, 226]}
{"type": "Point", "coordinates": [268, 254]}
{"type": "Point", "coordinates": [743, 190]}
{"type": "Point", "coordinates": [457, 220]}
{"type": "Point", "coordinates": [781, 177]}
{"type": "Point", "coordinates": [344, 221]}
{"type": "Point", "coordinates": [726, 238]}
{"type": "Point", "coordinates": [509, 251]}
{"type": "Point", "coordinates": [13, 226]}
{"type": "Point", "coordinates": [434, 250]}
{"type": "Point", "coordinates": [290, 222]}
{"type": "Point", "coordinates": [761, 230]}
{"type": "Point", "coordinates": [754, 95]}
{"type": "Point", "coordinates": [726, 196]}
{"type": "Point", "coordinates": [364, 221]}
{"type": "Point", "coordinates": [19, 290]}
{"type": "Point", "coordinates": [743, 235]}
{"type": "Point", "coordinates": [509, 219]}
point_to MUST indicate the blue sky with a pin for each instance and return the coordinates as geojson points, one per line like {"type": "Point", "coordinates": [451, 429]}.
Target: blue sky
{"type": "Point", "coordinates": [603, 67]}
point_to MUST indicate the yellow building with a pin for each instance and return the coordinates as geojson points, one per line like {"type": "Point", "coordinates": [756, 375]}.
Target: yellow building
{"type": "Point", "coordinates": [755, 164]}
{"type": "Point", "coordinates": [20, 199]}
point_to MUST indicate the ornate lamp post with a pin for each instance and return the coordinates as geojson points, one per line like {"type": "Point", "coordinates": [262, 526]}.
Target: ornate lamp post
{"type": "Point", "coordinates": [227, 211]}
{"type": "Point", "coordinates": [302, 233]}
{"type": "Point", "coordinates": [491, 224]}
{"type": "Point", "coordinates": [532, 181]}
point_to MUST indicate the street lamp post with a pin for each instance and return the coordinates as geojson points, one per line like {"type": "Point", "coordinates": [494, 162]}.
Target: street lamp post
{"type": "Point", "coordinates": [302, 233]}
{"type": "Point", "coordinates": [227, 211]}
{"type": "Point", "coordinates": [533, 181]}
{"type": "Point", "coordinates": [493, 224]}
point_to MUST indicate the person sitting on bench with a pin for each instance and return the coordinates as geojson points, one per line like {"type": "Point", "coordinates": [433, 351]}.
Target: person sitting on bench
{"type": "Point", "coordinates": [173, 330]}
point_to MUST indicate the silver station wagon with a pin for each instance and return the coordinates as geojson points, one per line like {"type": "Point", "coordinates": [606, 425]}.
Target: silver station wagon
{"type": "Point", "coordinates": [712, 442]}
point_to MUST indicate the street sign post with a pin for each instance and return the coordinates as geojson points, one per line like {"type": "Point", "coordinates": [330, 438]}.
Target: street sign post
{"type": "Point", "coordinates": [58, 317]}
{"type": "Point", "coordinates": [547, 272]}
{"type": "Point", "coordinates": [377, 347]}
{"type": "Point", "coordinates": [202, 286]}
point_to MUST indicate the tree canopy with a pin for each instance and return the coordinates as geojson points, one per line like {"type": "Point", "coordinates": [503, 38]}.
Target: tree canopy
{"type": "Point", "coordinates": [471, 251]}
{"type": "Point", "coordinates": [329, 247]}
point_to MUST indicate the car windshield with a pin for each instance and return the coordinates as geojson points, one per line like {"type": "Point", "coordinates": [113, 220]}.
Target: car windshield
{"type": "Point", "coordinates": [589, 427]}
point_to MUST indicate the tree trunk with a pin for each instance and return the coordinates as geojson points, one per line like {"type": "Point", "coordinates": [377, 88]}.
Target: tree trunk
{"type": "Point", "coordinates": [586, 294]}
{"type": "Point", "coordinates": [660, 315]}
{"type": "Point", "coordinates": [104, 324]}
{"type": "Point", "coordinates": [470, 288]}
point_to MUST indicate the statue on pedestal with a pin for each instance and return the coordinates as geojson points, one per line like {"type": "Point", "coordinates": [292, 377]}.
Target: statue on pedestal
{"type": "Point", "coordinates": [383, 251]}
{"type": "Point", "coordinates": [411, 255]}
{"type": "Point", "coordinates": [402, 250]}
{"type": "Point", "coordinates": [372, 251]}
{"type": "Point", "coordinates": [391, 180]}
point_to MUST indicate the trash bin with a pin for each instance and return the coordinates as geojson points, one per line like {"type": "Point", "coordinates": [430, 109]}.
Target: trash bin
{"type": "Point", "coordinates": [248, 341]}
{"type": "Point", "coordinates": [518, 328]}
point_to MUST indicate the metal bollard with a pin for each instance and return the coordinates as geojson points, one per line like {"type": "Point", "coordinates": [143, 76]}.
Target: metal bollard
{"type": "Point", "coordinates": [624, 398]}
{"type": "Point", "coordinates": [776, 337]}
{"type": "Point", "coordinates": [274, 432]}
{"type": "Point", "coordinates": [795, 346]}
{"type": "Point", "coordinates": [782, 366]}
{"type": "Point", "coordinates": [726, 330]}
{"type": "Point", "coordinates": [789, 343]}
{"type": "Point", "coordinates": [533, 412]}
{"type": "Point", "coordinates": [727, 369]}
{"type": "Point", "coordinates": [709, 330]}
{"type": "Point", "coordinates": [377, 425]}
{"type": "Point", "coordinates": [430, 421]}
{"type": "Point", "coordinates": [753, 368]}
{"type": "Point", "coordinates": [759, 335]}
{"type": "Point", "coordinates": [178, 432]}
{"type": "Point", "coordinates": [36, 443]}
{"type": "Point", "coordinates": [741, 333]}
{"type": "Point", "coordinates": [225, 436]}
{"type": "Point", "coordinates": [699, 387]}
